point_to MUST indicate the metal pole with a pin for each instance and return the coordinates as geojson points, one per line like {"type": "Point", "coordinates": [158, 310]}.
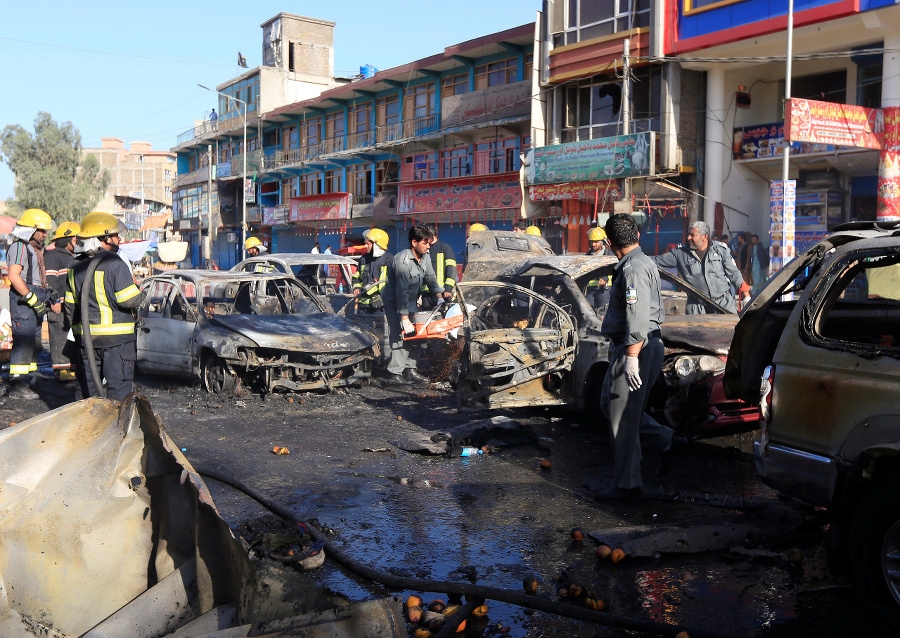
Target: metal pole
{"type": "Point", "coordinates": [205, 243]}
{"type": "Point", "coordinates": [786, 155]}
{"type": "Point", "coordinates": [626, 104]}
{"type": "Point", "coordinates": [243, 187]}
{"type": "Point", "coordinates": [142, 190]}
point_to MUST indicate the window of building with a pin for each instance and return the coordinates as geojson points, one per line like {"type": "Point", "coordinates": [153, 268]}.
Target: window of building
{"type": "Point", "coordinates": [359, 179]}
{"type": "Point", "coordinates": [186, 203]}
{"type": "Point", "coordinates": [593, 108]}
{"type": "Point", "coordinates": [455, 162]}
{"type": "Point", "coordinates": [311, 184]}
{"type": "Point", "coordinates": [496, 156]}
{"type": "Point", "coordinates": [529, 66]}
{"type": "Point", "coordinates": [271, 138]}
{"type": "Point", "coordinates": [495, 74]}
{"type": "Point", "coordinates": [418, 167]}
{"type": "Point", "coordinates": [418, 101]}
{"type": "Point", "coordinates": [192, 163]}
{"type": "Point", "coordinates": [360, 116]}
{"type": "Point", "coordinates": [290, 137]}
{"type": "Point", "coordinates": [334, 125]}
{"type": "Point", "coordinates": [247, 90]}
{"type": "Point", "coordinates": [311, 132]}
{"type": "Point", "coordinates": [204, 160]}
{"type": "Point", "coordinates": [386, 175]}
{"type": "Point", "coordinates": [868, 85]}
{"type": "Point", "coordinates": [253, 143]}
{"type": "Point", "coordinates": [825, 87]}
{"type": "Point", "coordinates": [168, 192]}
{"type": "Point", "coordinates": [586, 19]}
{"type": "Point", "coordinates": [455, 85]}
{"type": "Point", "coordinates": [288, 189]}
{"type": "Point", "coordinates": [333, 181]}
{"type": "Point", "coordinates": [387, 109]}
{"type": "Point", "coordinates": [168, 175]}
{"type": "Point", "coordinates": [227, 150]}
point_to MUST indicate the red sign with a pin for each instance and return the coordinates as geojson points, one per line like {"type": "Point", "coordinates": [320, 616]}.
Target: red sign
{"type": "Point", "coordinates": [578, 190]}
{"type": "Point", "coordinates": [889, 168]}
{"type": "Point", "coordinates": [837, 124]}
{"type": "Point", "coordinates": [312, 208]}
{"type": "Point", "coordinates": [466, 193]}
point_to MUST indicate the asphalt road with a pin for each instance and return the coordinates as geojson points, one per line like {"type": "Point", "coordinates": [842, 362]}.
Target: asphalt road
{"type": "Point", "coordinates": [496, 519]}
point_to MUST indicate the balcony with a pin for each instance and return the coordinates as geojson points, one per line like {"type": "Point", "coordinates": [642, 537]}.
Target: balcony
{"type": "Point", "coordinates": [203, 128]}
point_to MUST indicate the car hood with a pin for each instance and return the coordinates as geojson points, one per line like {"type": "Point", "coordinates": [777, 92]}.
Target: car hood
{"type": "Point", "coordinates": [320, 332]}
{"type": "Point", "coordinates": [575, 266]}
{"type": "Point", "coordinates": [707, 333]}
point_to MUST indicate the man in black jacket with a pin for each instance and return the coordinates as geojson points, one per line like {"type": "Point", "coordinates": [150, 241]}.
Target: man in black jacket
{"type": "Point", "coordinates": [57, 262]}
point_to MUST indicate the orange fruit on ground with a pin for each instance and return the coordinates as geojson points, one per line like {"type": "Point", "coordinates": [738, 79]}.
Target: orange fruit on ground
{"type": "Point", "coordinates": [577, 534]}
{"type": "Point", "coordinates": [461, 627]}
{"type": "Point", "coordinates": [682, 634]}
{"type": "Point", "coordinates": [546, 464]}
{"type": "Point", "coordinates": [480, 611]}
{"type": "Point", "coordinates": [617, 555]}
{"type": "Point", "coordinates": [421, 632]}
{"type": "Point", "coordinates": [414, 613]}
{"type": "Point", "coordinates": [437, 605]}
{"type": "Point", "coordinates": [599, 605]}
{"type": "Point", "coordinates": [414, 601]}
{"type": "Point", "coordinates": [603, 552]}
{"type": "Point", "coordinates": [529, 583]}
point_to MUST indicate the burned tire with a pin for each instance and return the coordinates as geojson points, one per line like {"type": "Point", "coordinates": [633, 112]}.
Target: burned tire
{"type": "Point", "coordinates": [875, 548]}
{"type": "Point", "coordinates": [216, 376]}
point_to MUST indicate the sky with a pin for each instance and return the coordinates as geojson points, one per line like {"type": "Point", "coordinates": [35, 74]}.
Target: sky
{"type": "Point", "coordinates": [130, 70]}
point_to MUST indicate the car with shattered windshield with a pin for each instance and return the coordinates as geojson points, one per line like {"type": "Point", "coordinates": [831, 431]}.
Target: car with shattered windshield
{"type": "Point", "coordinates": [533, 338]}
{"type": "Point", "coordinates": [267, 331]}
{"type": "Point", "coordinates": [819, 349]}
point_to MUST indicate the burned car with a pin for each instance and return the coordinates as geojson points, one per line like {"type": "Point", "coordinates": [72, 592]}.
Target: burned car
{"type": "Point", "coordinates": [269, 331]}
{"type": "Point", "coordinates": [327, 275]}
{"type": "Point", "coordinates": [533, 339]}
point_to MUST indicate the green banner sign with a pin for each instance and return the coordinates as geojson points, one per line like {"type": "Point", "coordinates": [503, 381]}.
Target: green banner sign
{"type": "Point", "coordinates": [620, 156]}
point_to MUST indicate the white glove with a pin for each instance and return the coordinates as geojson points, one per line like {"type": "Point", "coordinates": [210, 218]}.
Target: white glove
{"type": "Point", "coordinates": [633, 373]}
{"type": "Point", "coordinates": [408, 327]}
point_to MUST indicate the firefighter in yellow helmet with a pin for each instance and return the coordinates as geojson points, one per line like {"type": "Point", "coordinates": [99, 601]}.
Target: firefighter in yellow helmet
{"type": "Point", "coordinates": [254, 247]}
{"type": "Point", "coordinates": [533, 230]}
{"type": "Point", "coordinates": [597, 290]}
{"type": "Point", "coordinates": [475, 228]}
{"type": "Point", "coordinates": [112, 299]}
{"type": "Point", "coordinates": [57, 262]}
{"type": "Point", "coordinates": [371, 275]}
{"type": "Point", "coordinates": [29, 296]}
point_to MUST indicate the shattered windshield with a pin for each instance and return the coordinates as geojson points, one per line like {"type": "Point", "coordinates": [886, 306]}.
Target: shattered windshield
{"type": "Point", "coordinates": [255, 297]}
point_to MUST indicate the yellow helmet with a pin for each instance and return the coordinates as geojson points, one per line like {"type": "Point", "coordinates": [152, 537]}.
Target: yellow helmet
{"type": "Point", "coordinates": [533, 230]}
{"type": "Point", "coordinates": [36, 218]}
{"type": "Point", "coordinates": [596, 234]}
{"type": "Point", "coordinates": [252, 242]}
{"type": "Point", "coordinates": [377, 237]}
{"type": "Point", "coordinates": [68, 229]}
{"type": "Point", "coordinates": [99, 224]}
{"type": "Point", "coordinates": [474, 228]}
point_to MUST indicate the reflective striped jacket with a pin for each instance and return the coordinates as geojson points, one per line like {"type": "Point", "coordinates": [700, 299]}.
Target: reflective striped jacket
{"type": "Point", "coordinates": [112, 298]}
{"type": "Point", "coordinates": [371, 276]}
{"type": "Point", "coordinates": [443, 260]}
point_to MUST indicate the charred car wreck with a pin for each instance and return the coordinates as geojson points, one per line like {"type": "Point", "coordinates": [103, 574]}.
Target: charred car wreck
{"type": "Point", "coordinates": [269, 331]}
{"type": "Point", "coordinates": [533, 339]}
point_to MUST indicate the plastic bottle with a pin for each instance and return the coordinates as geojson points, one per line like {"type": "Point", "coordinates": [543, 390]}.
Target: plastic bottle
{"type": "Point", "coordinates": [471, 451]}
{"type": "Point", "coordinates": [341, 287]}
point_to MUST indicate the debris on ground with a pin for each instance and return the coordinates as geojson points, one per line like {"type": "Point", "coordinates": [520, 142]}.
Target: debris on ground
{"type": "Point", "coordinates": [495, 432]}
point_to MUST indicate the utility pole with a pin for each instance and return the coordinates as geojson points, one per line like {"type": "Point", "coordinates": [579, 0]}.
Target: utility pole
{"type": "Point", "coordinates": [142, 189]}
{"type": "Point", "coordinates": [205, 242]}
{"type": "Point", "coordinates": [626, 104]}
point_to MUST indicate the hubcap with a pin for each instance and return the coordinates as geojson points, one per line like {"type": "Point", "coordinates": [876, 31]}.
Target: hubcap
{"type": "Point", "coordinates": [890, 560]}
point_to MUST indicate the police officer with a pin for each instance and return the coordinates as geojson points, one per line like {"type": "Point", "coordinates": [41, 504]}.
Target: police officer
{"type": "Point", "coordinates": [58, 261]}
{"type": "Point", "coordinates": [709, 267]}
{"type": "Point", "coordinates": [254, 247]}
{"type": "Point", "coordinates": [598, 289]}
{"type": "Point", "coordinates": [408, 270]}
{"type": "Point", "coordinates": [28, 297]}
{"type": "Point", "coordinates": [443, 261]}
{"type": "Point", "coordinates": [112, 301]}
{"type": "Point", "coordinates": [635, 357]}
{"type": "Point", "coordinates": [371, 275]}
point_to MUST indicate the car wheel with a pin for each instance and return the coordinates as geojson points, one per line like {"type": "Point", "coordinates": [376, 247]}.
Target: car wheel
{"type": "Point", "coordinates": [875, 548]}
{"type": "Point", "coordinates": [217, 378]}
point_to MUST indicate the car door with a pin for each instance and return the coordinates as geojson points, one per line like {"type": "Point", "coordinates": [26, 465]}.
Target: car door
{"type": "Point", "coordinates": [520, 348]}
{"type": "Point", "coordinates": [168, 325]}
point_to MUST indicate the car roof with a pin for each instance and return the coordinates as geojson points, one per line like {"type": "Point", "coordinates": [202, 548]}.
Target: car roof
{"type": "Point", "coordinates": [197, 274]}
{"type": "Point", "coordinates": [575, 266]}
{"type": "Point", "coordinates": [299, 259]}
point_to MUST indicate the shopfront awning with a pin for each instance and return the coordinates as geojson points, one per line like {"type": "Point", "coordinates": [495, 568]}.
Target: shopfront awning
{"type": "Point", "coordinates": [156, 221]}
{"type": "Point", "coordinates": [853, 162]}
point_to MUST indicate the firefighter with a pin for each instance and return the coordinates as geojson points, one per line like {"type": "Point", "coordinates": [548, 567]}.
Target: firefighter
{"type": "Point", "coordinates": [58, 261]}
{"type": "Point", "coordinates": [443, 260]}
{"type": "Point", "coordinates": [533, 230]}
{"type": "Point", "coordinates": [476, 227]}
{"type": "Point", "coordinates": [112, 300]}
{"type": "Point", "coordinates": [597, 290]}
{"type": "Point", "coordinates": [371, 275]}
{"type": "Point", "coordinates": [254, 247]}
{"type": "Point", "coordinates": [28, 297]}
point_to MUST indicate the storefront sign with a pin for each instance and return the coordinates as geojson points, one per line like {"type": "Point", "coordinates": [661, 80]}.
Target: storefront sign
{"type": "Point", "coordinates": [607, 188]}
{"type": "Point", "coordinates": [889, 168]}
{"type": "Point", "coordinates": [275, 215]}
{"type": "Point", "coordinates": [765, 141]}
{"type": "Point", "coordinates": [782, 209]}
{"type": "Point", "coordinates": [837, 124]}
{"type": "Point", "coordinates": [494, 103]}
{"type": "Point", "coordinates": [223, 169]}
{"type": "Point", "coordinates": [312, 208]}
{"type": "Point", "coordinates": [589, 160]}
{"type": "Point", "coordinates": [468, 193]}
{"type": "Point", "coordinates": [249, 190]}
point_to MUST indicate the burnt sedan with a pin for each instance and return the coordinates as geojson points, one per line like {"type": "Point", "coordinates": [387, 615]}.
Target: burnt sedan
{"type": "Point", "coordinates": [533, 339]}
{"type": "Point", "coordinates": [268, 331]}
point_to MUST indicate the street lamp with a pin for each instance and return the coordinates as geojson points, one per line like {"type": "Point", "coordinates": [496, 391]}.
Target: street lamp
{"type": "Point", "coordinates": [243, 172]}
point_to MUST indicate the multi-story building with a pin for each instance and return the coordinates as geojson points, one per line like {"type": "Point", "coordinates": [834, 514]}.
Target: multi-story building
{"type": "Point", "coordinates": [437, 140]}
{"type": "Point", "coordinates": [139, 176]}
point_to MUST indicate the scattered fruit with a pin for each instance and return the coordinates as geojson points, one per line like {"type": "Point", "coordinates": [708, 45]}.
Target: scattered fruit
{"type": "Point", "coordinates": [480, 611]}
{"type": "Point", "coordinates": [437, 605]}
{"type": "Point", "coordinates": [575, 590]}
{"type": "Point", "coordinates": [577, 535]}
{"type": "Point", "coordinates": [421, 632]}
{"type": "Point", "coordinates": [449, 610]}
{"type": "Point", "coordinates": [399, 418]}
{"type": "Point", "coordinates": [290, 399]}
{"type": "Point", "coordinates": [546, 464]}
{"type": "Point", "coordinates": [461, 627]}
{"type": "Point", "coordinates": [414, 601]}
{"type": "Point", "coordinates": [530, 583]}
{"type": "Point", "coordinates": [435, 624]}
{"type": "Point", "coordinates": [682, 634]}
{"type": "Point", "coordinates": [414, 613]}
{"type": "Point", "coordinates": [617, 555]}
{"type": "Point", "coordinates": [595, 603]}
{"type": "Point", "coordinates": [603, 552]}
{"type": "Point", "coordinates": [280, 450]}
{"type": "Point", "coordinates": [562, 592]}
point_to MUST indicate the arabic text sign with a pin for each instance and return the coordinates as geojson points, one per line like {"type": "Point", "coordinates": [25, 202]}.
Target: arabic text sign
{"type": "Point", "coordinates": [275, 215]}
{"type": "Point", "coordinates": [579, 190]}
{"type": "Point", "coordinates": [783, 198]}
{"type": "Point", "coordinates": [320, 207]}
{"type": "Point", "coordinates": [838, 124]}
{"type": "Point", "coordinates": [604, 158]}
{"type": "Point", "coordinates": [470, 193]}
{"type": "Point", "coordinates": [493, 103]}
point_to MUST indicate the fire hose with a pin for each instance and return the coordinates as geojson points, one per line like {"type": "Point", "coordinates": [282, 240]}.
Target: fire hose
{"type": "Point", "coordinates": [472, 592]}
{"type": "Point", "coordinates": [86, 323]}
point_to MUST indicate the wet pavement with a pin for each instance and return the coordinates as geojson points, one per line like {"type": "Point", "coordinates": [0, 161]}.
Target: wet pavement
{"type": "Point", "coordinates": [495, 519]}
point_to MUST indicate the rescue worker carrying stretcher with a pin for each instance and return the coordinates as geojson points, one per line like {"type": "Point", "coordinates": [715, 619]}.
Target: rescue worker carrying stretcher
{"type": "Point", "coordinates": [370, 277]}
{"type": "Point", "coordinates": [112, 300]}
{"type": "Point", "coordinates": [29, 296]}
